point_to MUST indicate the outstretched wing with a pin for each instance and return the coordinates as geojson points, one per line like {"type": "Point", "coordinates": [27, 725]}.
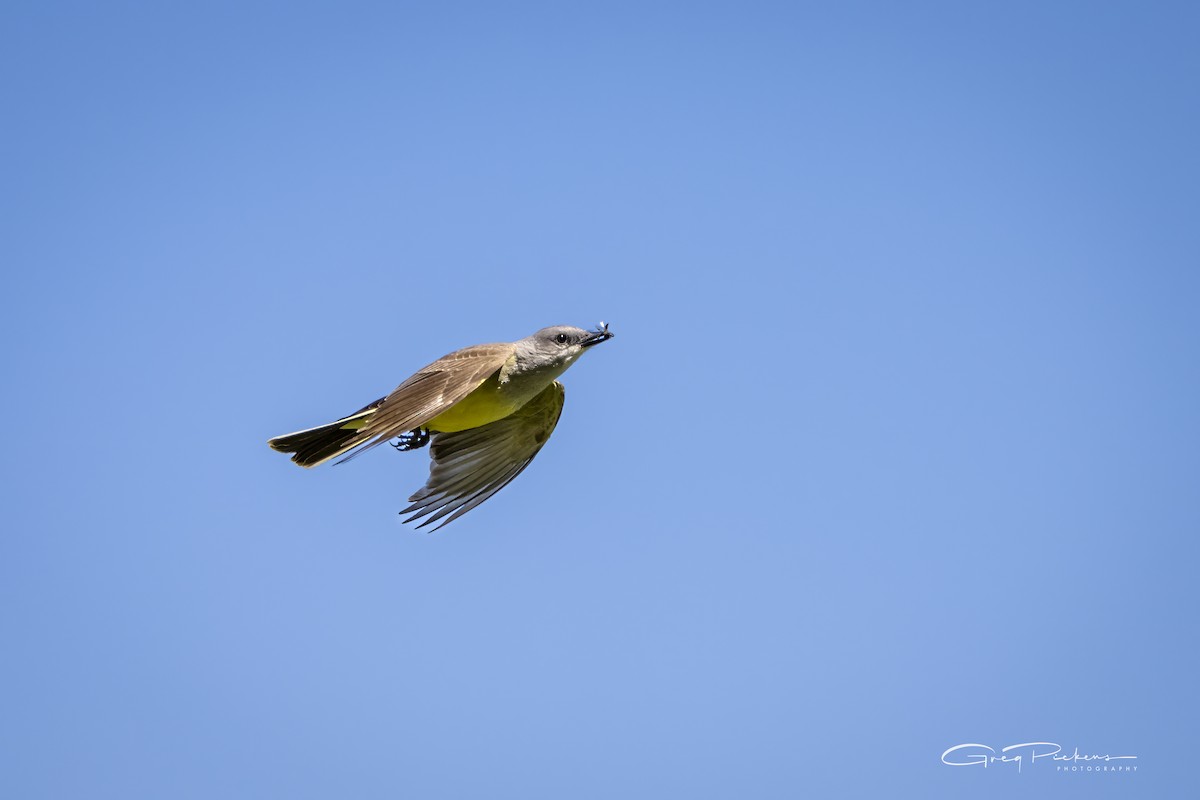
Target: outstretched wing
{"type": "Point", "coordinates": [432, 390]}
{"type": "Point", "coordinates": [472, 465]}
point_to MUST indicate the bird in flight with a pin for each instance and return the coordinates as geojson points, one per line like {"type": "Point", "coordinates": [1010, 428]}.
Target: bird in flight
{"type": "Point", "coordinates": [484, 410]}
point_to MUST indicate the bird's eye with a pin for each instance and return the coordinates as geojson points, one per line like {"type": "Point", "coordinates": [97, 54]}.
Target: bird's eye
{"type": "Point", "coordinates": [562, 338]}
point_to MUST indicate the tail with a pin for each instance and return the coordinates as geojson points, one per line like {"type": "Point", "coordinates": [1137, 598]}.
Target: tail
{"type": "Point", "coordinates": [317, 445]}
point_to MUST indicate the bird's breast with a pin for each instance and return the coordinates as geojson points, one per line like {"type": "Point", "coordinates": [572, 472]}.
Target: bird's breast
{"type": "Point", "coordinates": [493, 400]}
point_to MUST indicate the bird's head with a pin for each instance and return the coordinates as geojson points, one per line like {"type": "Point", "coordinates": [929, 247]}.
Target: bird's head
{"type": "Point", "coordinates": [560, 345]}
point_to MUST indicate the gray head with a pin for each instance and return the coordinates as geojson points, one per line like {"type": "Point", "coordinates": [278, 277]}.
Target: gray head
{"type": "Point", "coordinates": [560, 345]}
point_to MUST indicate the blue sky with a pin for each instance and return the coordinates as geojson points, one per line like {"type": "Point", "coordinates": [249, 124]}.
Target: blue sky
{"type": "Point", "coordinates": [896, 447]}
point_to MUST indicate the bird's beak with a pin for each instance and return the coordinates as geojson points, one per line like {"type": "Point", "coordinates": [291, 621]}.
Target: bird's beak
{"type": "Point", "coordinates": [597, 336]}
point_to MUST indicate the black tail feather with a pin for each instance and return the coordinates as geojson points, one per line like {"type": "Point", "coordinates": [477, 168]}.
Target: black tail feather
{"type": "Point", "coordinates": [312, 446]}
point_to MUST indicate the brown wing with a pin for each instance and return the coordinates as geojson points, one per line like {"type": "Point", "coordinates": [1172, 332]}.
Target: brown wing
{"type": "Point", "coordinates": [432, 390]}
{"type": "Point", "coordinates": [472, 465]}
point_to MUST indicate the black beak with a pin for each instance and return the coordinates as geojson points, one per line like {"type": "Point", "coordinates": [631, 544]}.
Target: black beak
{"type": "Point", "coordinates": [597, 336]}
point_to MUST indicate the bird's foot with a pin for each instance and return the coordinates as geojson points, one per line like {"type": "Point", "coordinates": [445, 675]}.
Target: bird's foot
{"type": "Point", "coordinates": [413, 440]}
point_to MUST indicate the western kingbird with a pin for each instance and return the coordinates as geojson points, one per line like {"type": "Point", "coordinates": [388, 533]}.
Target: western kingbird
{"type": "Point", "coordinates": [487, 409]}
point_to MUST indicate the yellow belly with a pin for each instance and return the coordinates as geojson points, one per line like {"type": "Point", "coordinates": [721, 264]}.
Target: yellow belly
{"type": "Point", "coordinates": [486, 404]}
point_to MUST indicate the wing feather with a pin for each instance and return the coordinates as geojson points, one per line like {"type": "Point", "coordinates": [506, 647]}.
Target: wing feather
{"type": "Point", "coordinates": [430, 391]}
{"type": "Point", "coordinates": [470, 466]}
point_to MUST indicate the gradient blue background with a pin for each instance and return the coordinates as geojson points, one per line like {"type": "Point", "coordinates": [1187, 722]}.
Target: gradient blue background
{"type": "Point", "coordinates": [896, 447]}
